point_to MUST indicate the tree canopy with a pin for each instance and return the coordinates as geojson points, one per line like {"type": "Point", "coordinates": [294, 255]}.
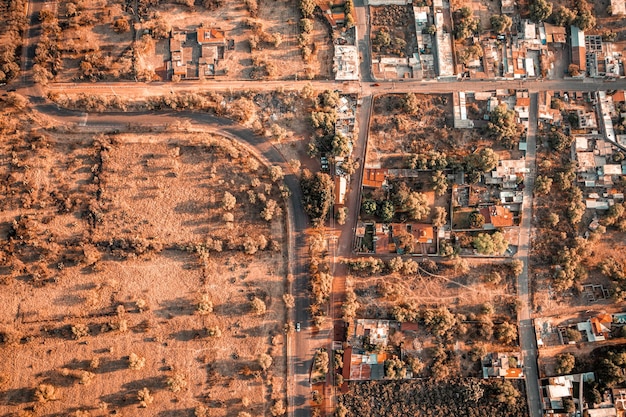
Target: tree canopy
{"type": "Point", "coordinates": [317, 194]}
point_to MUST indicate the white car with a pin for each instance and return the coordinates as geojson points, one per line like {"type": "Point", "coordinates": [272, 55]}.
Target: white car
{"type": "Point", "coordinates": [297, 326]}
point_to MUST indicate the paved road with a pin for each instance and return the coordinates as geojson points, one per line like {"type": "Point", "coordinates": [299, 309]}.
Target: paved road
{"type": "Point", "coordinates": [527, 338]}
{"type": "Point", "coordinates": [134, 90]}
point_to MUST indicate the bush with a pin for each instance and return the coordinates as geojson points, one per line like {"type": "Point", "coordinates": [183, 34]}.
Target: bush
{"type": "Point", "coordinates": [144, 397]}
{"type": "Point", "coordinates": [228, 201]}
{"type": "Point", "coordinates": [265, 361]}
{"type": "Point", "coordinates": [79, 331]}
{"type": "Point", "coordinates": [45, 393]}
{"type": "Point", "coordinates": [258, 306]}
{"type": "Point", "coordinates": [278, 409]}
{"type": "Point", "coordinates": [176, 382]}
{"type": "Point", "coordinates": [136, 362]}
{"type": "Point", "coordinates": [205, 305]}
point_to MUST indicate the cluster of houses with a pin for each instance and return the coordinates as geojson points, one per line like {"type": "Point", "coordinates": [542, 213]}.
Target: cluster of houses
{"type": "Point", "coordinates": [562, 396]}
{"type": "Point", "coordinates": [400, 238]}
{"type": "Point", "coordinates": [434, 51]}
{"type": "Point", "coordinates": [550, 331]}
{"type": "Point", "coordinates": [345, 125]}
{"type": "Point", "coordinates": [196, 54]}
{"type": "Point", "coordinates": [368, 348]}
{"type": "Point", "coordinates": [598, 151]}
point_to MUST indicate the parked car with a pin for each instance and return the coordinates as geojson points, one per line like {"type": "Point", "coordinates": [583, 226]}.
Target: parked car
{"type": "Point", "coordinates": [297, 326]}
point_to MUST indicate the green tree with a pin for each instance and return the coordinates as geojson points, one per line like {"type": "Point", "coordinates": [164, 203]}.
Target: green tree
{"type": "Point", "coordinates": [559, 140]}
{"type": "Point", "coordinates": [564, 16]}
{"type": "Point", "coordinates": [307, 7]}
{"type": "Point", "coordinates": [342, 215]}
{"type": "Point", "coordinates": [585, 19]}
{"type": "Point", "coordinates": [369, 207]}
{"type": "Point", "coordinates": [417, 206]}
{"type": "Point", "coordinates": [440, 217]}
{"type": "Point", "coordinates": [440, 183]}
{"type": "Point", "coordinates": [476, 220]}
{"type": "Point", "coordinates": [501, 23]}
{"type": "Point", "coordinates": [565, 362]}
{"type": "Point", "coordinates": [395, 368]}
{"type": "Point", "coordinates": [386, 211]}
{"type": "Point", "coordinates": [540, 10]}
{"type": "Point", "coordinates": [410, 103]}
{"type": "Point", "coordinates": [506, 333]}
{"type": "Point", "coordinates": [573, 335]}
{"type": "Point", "coordinates": [507, 393]}
{"type": "Point", "coordinates": [341, 145]}
{"type": "Point", "coordinates": [495, 244]}
{"type": "Point", "coordinates": [484, 160]}
{"type": "Point", "coordinates": [543, 185]}
{"type": "Point", "coordinates": [439, 321]}
{"type": "Point", "coordinates": [317, 191]}
{"type": "Point", "coordinates": [502, 123]}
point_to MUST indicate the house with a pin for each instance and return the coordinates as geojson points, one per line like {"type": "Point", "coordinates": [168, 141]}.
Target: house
{"type": "Point", "coordinates": [619, 96]}
{"type": "Point", "coordinates": [522, 104]}
{"type": "Point", "coordinates": [341, 185]}
{"type": "Point", "coordinates": [333, 11]}
{"type": "Point", "coordinates": [423, 233]}
{"type": "Point", "coordinates": [557, 389]}
{"type": "Point", "coordinates": [346, 63]}
{"type": "Point", "coordinates": [211, 36]}
{"type": "Point", "coordinates": [546, 112]}
{"type": "Point", "coordinates": [496, 217]}
{"type": "Point", "coordinates": [579, 51]}
{"type": "Point", "coordinates": [555, 34]}
{"type": "Point", "coordinates": [179, 66]}
{"type": "Point", "coordinates": [410, 237]}
{"type": "Point", "coordinates": [596, 328]}
{"type": "Point", "coordinates": [601, 412]}
{"type": "Point", "coordinates": [374, 177]}
{"type": "Point", "coordinates": [507, 7]}
{"type": "Point", "coordinates": [601, 325]}
{"type": "Point", "coordinates": [618, 7]}
{"type": "Point", "coordinates": [502, 365]}
{"type": "Point", "coordinates": [508, 172]}
{"type": "Point", "coordinates": [360, 365]}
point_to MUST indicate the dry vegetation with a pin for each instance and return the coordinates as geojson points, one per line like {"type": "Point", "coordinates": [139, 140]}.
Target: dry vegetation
{"type": "Point", "coordinates": [421, 398]}
{"type": "Point", "coordinates": [406, 127]}
{"type": "Point", "coordinates": [281, 116]}
{"type": "Point", "coordinates": [128, 274]}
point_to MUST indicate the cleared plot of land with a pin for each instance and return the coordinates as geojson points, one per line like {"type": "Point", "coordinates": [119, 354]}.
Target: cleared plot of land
{"type": "Point", "coordinates": [127, 268]}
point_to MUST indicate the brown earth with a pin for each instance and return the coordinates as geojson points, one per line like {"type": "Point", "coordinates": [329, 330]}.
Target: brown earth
{"type": "Point", "coordinates": [116, 240]}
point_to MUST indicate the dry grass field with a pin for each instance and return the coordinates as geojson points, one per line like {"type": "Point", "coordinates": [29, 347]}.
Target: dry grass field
{"type": "Point", "coordinates": [125, 267]}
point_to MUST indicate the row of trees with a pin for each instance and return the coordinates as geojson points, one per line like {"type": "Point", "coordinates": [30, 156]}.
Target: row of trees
{"type": "Point", "coordinates": [14, 25]}
{"type": "Point", "coordinates": [48, 61]}
{"type": "Point", "coordinates": [474, 164]}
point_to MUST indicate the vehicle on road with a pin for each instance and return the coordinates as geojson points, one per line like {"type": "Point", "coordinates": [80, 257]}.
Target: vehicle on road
{"type": "Point", "coordinates": [375, 85]}
{"type": "Point", "coordinates": [298, 327]}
